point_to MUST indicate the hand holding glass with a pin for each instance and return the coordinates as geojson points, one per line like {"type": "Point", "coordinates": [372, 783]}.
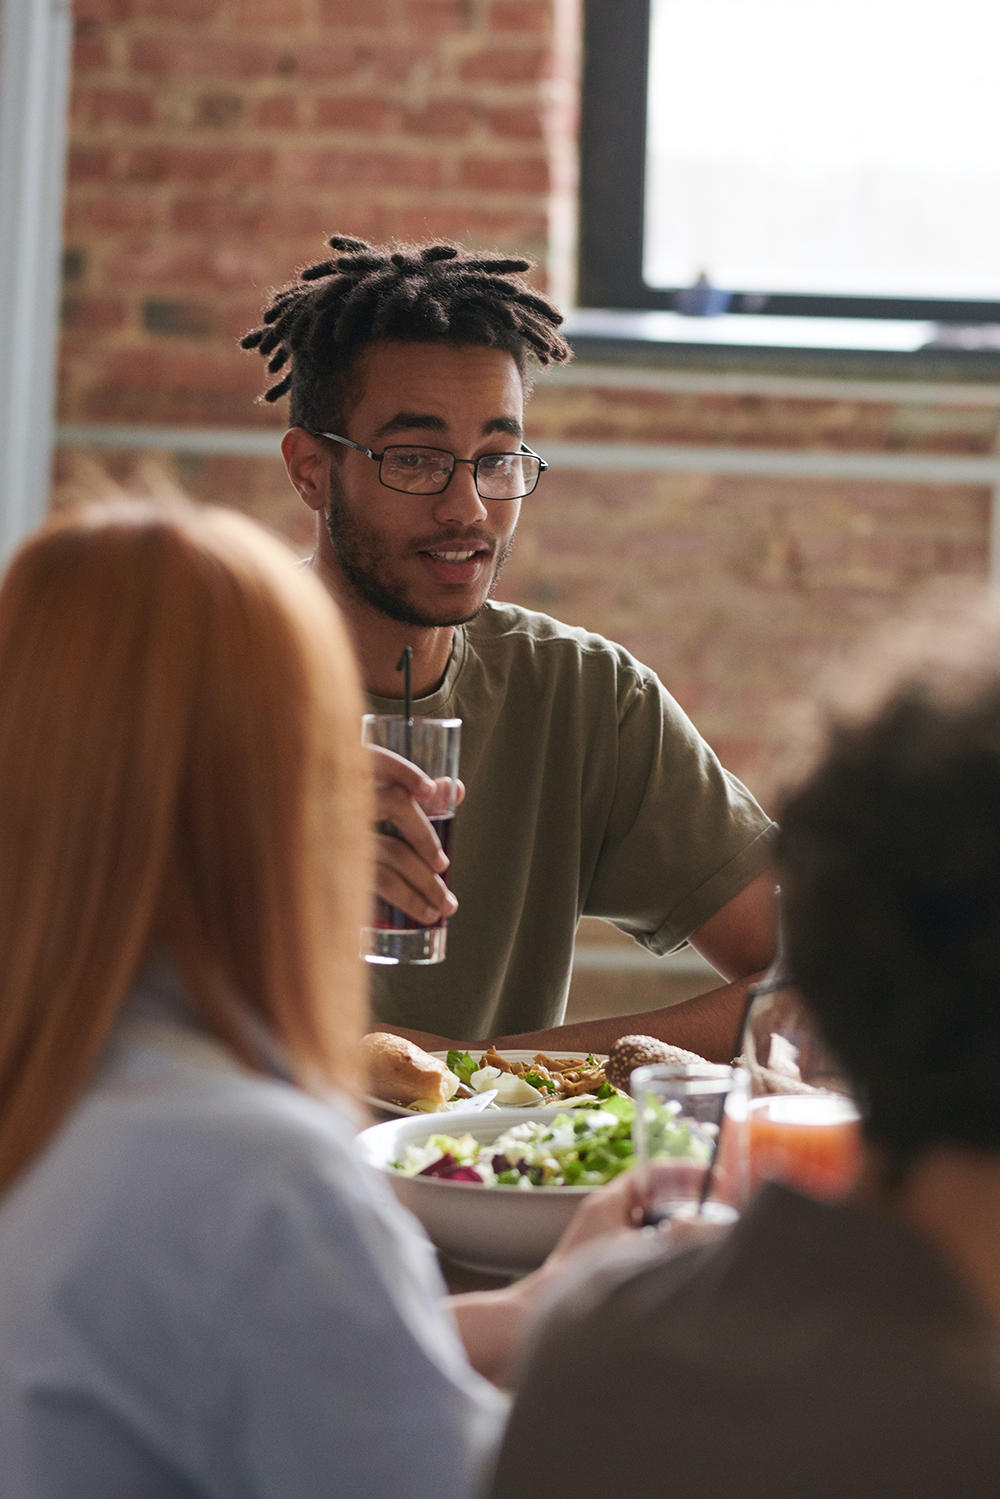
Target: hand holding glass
{"type": "Point", "coordinates": [432, 745]}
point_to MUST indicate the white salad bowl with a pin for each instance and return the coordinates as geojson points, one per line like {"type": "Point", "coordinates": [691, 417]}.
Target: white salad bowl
{"type": "Point", "coordinates": [499, 1229]}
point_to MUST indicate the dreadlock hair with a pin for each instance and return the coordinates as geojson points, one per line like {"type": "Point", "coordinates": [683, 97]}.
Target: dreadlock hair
{"type": "Point", "coordinates": [320, 323]}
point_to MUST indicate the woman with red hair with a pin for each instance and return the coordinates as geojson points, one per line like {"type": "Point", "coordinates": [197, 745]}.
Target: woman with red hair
{"type": "Point", "coordinates": [201, 1293]}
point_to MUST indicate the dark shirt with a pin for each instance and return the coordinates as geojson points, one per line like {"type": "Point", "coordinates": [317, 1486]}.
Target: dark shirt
{"type": "Point", "coordinates": [815, 1353]}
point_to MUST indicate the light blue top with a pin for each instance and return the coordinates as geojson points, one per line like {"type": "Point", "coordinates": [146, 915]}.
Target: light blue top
{"type": "Point", "coordinates": [203, 1293]}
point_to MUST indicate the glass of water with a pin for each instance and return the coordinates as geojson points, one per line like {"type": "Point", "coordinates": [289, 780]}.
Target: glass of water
{"type": "Point", "coordinates": [689, 1137]}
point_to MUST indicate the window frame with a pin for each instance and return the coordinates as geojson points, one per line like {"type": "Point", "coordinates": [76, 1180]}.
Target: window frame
{"type": "Point", "coordinates": [612, 193]}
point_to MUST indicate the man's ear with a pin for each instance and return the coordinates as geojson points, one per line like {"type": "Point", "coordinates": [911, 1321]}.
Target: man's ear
{"type": "Point", "coordinates": [307, 460]}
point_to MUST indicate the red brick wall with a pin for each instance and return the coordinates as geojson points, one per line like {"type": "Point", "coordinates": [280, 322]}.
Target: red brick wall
{"type": "Point", "coordinates": [215, 143]}
{"type": "Point", "coordinates": [737, 589]}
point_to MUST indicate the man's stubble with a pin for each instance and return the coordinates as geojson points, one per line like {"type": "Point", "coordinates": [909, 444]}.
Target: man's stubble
{"type": "Point", "coordinates": [362, 562]}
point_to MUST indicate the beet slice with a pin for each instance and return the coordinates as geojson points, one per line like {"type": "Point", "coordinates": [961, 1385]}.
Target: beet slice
{"type": "Point", "coordinates": [448, 1169]}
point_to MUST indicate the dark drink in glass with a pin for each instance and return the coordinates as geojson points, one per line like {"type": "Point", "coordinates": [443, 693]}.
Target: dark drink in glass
{"type": "Point", "coordinates": [432, 744]}
{"type": "Point", "coordinates": [389, 918]}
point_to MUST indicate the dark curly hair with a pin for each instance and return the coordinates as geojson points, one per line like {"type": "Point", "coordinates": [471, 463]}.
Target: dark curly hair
{"type": "Point", "coordinates": [890, 872]}
{"type": "Point", "coordinates": [320, 323]}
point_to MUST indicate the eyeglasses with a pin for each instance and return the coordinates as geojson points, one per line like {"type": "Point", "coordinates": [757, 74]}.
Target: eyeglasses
{"type": "Point", "coordinates": [410, 470]}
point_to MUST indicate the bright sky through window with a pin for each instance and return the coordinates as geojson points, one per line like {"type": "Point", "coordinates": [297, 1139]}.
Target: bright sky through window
{"type": "Point", "coordinates": [833, 148]}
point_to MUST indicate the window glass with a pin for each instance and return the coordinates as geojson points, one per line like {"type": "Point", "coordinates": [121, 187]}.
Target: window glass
{"type": "Point", "coordinates": [847, 148]}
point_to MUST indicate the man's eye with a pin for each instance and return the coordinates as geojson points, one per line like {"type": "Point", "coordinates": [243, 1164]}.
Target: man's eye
{"type": "Point", "coordinates": [414, 460]}
{"type": "Point", "coordinates": [493, 462]}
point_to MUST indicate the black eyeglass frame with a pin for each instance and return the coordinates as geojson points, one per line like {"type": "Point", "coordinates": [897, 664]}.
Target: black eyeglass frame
{"type": "Point", "coordinates": [474, 462]}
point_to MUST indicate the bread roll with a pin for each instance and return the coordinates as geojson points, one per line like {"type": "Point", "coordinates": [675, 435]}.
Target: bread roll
{"type": "Point", "coordinates": [630, 1052]}
{"type": "Point", "coordinates": [401, 1073]}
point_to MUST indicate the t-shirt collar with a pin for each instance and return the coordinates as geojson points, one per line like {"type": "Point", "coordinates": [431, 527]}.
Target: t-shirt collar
{"type": "Point", "coordinates": [433, 706]}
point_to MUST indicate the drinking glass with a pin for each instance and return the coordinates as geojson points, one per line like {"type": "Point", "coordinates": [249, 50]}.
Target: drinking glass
{"type": "Point", "coordinates": [686, 1170]}
{"type": "Point", "coordinates": [432, 744]}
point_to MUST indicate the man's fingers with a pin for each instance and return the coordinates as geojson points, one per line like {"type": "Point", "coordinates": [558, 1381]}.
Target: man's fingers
{"type": "Point", "coordinates": [687, 1233]}
{"type": "Point", "coordinates": [409, 857]}
{"type": "Point", "coordinates": [404, 880]}
{"type": "Point", "coordinates": [435, 796]}
{"type": "Point", "coordinates": [389, 769]}
{"type": "Point", "coordinates": [396, 809]}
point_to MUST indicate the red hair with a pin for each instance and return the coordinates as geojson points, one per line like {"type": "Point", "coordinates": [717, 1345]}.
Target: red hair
{"type": "Point", "coordinates": [180, 762]}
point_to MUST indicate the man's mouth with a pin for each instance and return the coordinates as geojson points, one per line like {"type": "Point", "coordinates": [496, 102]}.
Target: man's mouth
{"type": "Point", "coordinates": [449, 555]}
{"type": "Point", "coordinates": [455, 564]}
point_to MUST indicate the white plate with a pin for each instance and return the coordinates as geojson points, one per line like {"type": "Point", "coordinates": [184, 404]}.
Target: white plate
{"type": "Point", "coordinates": [500, 1229]}
{"type": "Point", "coordinates": [400, 1111]}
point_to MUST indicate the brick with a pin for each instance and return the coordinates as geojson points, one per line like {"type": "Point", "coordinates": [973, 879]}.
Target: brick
{"type": "Point", "coordinates": [302, 215]}
{"type": "Point", "coordinates": [199, 164]}
{"type": "Point", "coordinates": [436, 15]}
{"type": "Point", "coordinates": [102, 10]}
{"type": "Point", "coordinates": [257, 486]}
{"type": "Point", "coordinates": [109, 211]}
{"type": "Point", "coordinates": [317, 63]}
{"type": "Point", "coordinates": [163, 384]}
{"type": "Point", "coordinates": [467, 223]}
{"type": "Point", "coordinates": [533, 16]}
{"type": "Point", "coordinates": [364, 168]}
{"type": "Point", "coordinates": [116, 106]}
{"type": "Point", "coordinates": [201, 57]}
{"type": "Point", "coordinates": [372, 13]}
{"type": "Point", "coordinates": [442, 117]}
{"type": "Point", "coordinates": [176, 319]}
{"type": "Point", "coordinates": [217, 111]}
{"type": "Point", "coordinates": [89, 163]}
{"type": "Point", "coordinates": [653, 416]}
{"type": "Point", "coordinates": [82, 314]}
{"type": "Point", "coordinates": [506, 65]}
{"type": "Point", "coordinates": [74, 263]}
{"type": "Point", "coordinates": [265, 13]}
{"type": "Point", "coordinates": [397, 63]}
{"type": "Point", "coordinates": [159, 265]}
{"type": "Point", "coordinates": [185, 11]}
{"type": "Point", "coordinates": [279, 111]}
{"type": "Point", "coordinates": [90, 53]}
{"type": "Point", "coordinates": [523, 122]}
{"type": "Point", "coordinates": [353, 112]}
{"type": "Point", "coordinates": [505, 174]}
{"type": "Point", "coordinates": [210, 211]}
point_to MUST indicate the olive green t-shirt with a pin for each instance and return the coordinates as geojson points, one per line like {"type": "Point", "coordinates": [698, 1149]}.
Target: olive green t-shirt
{"type": "Point", "coordinates": [588, 793]}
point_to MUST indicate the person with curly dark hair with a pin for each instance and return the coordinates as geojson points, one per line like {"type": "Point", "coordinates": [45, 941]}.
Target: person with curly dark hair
{"type": "Point", "coordinates": [589, 791]}
{"type": "Point", "coordinates": [827, 1349]}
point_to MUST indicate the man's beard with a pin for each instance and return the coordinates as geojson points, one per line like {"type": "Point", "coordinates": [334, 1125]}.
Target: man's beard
{"type": "Point", "coordinates": [361, 558]}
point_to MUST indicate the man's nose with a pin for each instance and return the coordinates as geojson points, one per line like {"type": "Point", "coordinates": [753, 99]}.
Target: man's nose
{"type": "Point", "coordinates": [460, 503]}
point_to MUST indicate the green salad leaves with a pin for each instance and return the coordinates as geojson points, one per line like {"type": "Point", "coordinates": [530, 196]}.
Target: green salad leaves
{"type": "Point", "coordinates": [583, 1148]}
{"type": "Point", "coordinates": [462, 1065]}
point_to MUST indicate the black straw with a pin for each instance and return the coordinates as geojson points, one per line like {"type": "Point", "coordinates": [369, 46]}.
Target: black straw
{"type": "Point", "coordinates": [405, 665]}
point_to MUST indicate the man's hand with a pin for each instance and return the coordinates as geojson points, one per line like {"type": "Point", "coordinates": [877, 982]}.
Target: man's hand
{"type": "Point", "coordinates": [409, 859]}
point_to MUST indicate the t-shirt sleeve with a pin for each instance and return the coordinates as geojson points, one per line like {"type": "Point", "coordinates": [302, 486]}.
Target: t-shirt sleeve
{"type": "Point", "coordinates": [683, 835]}
{"type": "Point", "coordinates": [341, 1371]}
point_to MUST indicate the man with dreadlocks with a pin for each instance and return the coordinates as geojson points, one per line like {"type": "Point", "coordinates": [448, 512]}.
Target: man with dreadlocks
{"type": "Point", "coordinates": [589, 791]}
